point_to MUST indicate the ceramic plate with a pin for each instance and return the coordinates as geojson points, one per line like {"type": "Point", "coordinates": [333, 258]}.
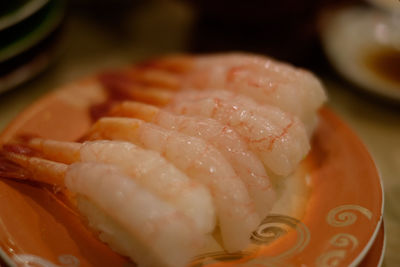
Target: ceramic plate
{"type": "Point", "coordinates": [375, 255]}
{"type": "Point", "coordinates": [337, 226]}
{"type": "Point", "coordinates": [362, 45]}
{"type": "Point", "coordinates": [29, 32]}
{"type": "Point", "coordinates": [17, 10]}
{"type": "Point", "coordinates": [27, 65]}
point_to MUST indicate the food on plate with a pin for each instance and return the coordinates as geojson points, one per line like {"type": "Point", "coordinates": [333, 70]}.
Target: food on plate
{"type": "Point", "coordinates": [263, 79]}
{"type": "Point", "coordinates": [278, 138]}
{"type": "Point", "coordinates": [205, 162]}
{"type": "Point", "coordinates": [223, 137]}
{"type": "Point", "coordinates": [148, 168]}
{"type": "Point", "coordinates": [130, 219]}
{"type": "Point", "coordinates": [199, 160]}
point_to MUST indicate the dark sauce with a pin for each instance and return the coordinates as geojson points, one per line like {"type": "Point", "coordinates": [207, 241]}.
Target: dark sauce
{"type": "Point", "coordinates": [385, 63]}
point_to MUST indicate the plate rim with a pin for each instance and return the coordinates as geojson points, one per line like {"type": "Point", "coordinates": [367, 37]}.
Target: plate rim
{"type": "Point", "coordinates": [21, 13]}
{"type": "Point", "coordinates": [371, 241]}
{"type": "Point", "coordinates": [345, 71]}
{"type": "Point", "coordinates": [47, 25]}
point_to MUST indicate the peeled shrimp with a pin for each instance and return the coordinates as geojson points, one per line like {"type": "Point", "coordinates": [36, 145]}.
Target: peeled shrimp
{"type": "Point", "coordinates": [235, 210]}
{"type": "Point", "coordinates": [263, 79]}
{"type": "Point", "coordinates": [244, 162]}
{"type": "Point", "coordinates": [279, 139]}
{"type": "Point", "coordinates": [131, 220]}
{"type": "Point", "coordinates": [147, 168]}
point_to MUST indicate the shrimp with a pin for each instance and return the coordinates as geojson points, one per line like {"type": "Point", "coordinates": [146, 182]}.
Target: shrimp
{"type": "Point", "coordinates": [244, 162]}
{"type": "Point", "coordinates": [235, 210]}
{"type": "Point", "coordinates": [279, 139]}
{"type": "Point", "coordinates": [131, 220]}
{"type": "Point", "coordinates": [147, 168]}
{"type": "Point", "coordinates": [263, 79]}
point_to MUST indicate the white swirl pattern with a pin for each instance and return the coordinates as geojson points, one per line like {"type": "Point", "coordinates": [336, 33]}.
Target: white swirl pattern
{"type": "Point", "coordinates": [331, 258]}
{"type": "Point", "coordinates": [343, 216]}
{"type": "Point", "coordinates": [344, 240]}
{"type": "Point", "coordinates": [272, 227]}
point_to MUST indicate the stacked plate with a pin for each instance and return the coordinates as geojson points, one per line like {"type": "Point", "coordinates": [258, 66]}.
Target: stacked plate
{"type": "Point", "coordinates": [28, 34]}
{"type": "Point", "coordinates": [363, 44]}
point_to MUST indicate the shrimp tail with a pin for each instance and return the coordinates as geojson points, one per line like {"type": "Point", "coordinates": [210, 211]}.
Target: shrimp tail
{"type": "Point", "coordinates": [135, 109]}
{"type": "Point", "coordinates": [118, 84]}
{"type": "Point", "coordinates": [60, 151]}
{"type": "Point", "coordinates": [11, 170]}
{"type": "Point", "coordinates": [115, 128]}
{"type": "Point", "coordinates": [154, 96]}
{"type": "Point", "coordinates": [20, 166]}
{"type": "Point", "coordinates": [129, 84]}
{"type": "Point", "coordinates": [151, 77]}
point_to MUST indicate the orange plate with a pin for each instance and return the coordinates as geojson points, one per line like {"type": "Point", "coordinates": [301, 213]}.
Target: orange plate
{"type": "Point", "coordinates": [341, 219]}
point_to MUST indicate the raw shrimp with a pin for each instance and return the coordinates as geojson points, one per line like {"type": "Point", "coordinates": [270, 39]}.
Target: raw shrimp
{"type": "Point", "coordinates": [265, 80]}
{"type": "Point", "coordinates": [278, 138]}
{"type": "Point", "coordinates": [235, 210]}
{"type": "Point", "coordinates": [148, 168]}
{"type": "Point", "coordinates": [131, 220]}
{"type": "Point", "coordinates": [244, 162]}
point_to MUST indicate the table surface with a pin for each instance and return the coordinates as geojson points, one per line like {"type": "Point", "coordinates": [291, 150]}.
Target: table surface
{"type": "Point", "coordinates": [90, 44]}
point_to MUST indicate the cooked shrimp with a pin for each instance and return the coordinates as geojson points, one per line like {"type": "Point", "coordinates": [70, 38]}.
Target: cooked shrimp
{"type": "Point", "coordinates": [244, 162]}
{"type": "Point", "coordinates": [200, 161]}
{"type": "Point", "coordinates": [265, 80]}
{"type": "Point", "coordinates": [147, 168]}
{"type": "Point", "coordinates": [131, 220]}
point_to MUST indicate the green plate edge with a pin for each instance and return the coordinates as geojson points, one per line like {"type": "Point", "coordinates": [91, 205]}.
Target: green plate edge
{"type": "Point", "coordinates": [46, 25]}
{"type": "Point", "coordinates": [20, 13]}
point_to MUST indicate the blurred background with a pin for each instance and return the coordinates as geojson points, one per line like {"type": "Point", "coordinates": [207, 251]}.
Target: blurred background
{"type": "Point", "coordinates": [352, 45]}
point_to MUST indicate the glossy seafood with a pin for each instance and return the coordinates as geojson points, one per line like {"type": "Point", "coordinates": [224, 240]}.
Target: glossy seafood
{"type": "Point", "coordinates": [244, 162]}
{"type": "Point", "coordinates": [263, 79]}
{"type": "Point", "coordinates": [235, 210]}
{"type": "Point", "coordinates": [156, 181]}
{"type": "Point", "coordinates": [131, 220]}
{"type": "Point", "coordinates": [146, 167]}
{"type": "Point", "coordinates": [278, 138]}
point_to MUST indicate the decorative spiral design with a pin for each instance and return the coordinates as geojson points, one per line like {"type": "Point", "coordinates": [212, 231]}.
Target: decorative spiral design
{"type": "Point", "coordinates": [331, 258]}
{"type": "Point", "coordinates": [344, 240]}
{"type": "Point", "coordinates": [272, 227]}
{"type": "Point", "coordinates": [266, 233]}
{"type": "Point", "coordinates": [275, 226]}
{"type": "Point", "coordinates": [343, 216]}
